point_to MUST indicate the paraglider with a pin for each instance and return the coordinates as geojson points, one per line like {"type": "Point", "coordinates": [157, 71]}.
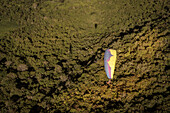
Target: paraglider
{"type": "Point", "coordinates": [109, 63]}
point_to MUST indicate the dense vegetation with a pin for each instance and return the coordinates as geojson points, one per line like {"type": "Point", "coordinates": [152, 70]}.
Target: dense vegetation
{"type": "Point", "coordinates": [51, 55]}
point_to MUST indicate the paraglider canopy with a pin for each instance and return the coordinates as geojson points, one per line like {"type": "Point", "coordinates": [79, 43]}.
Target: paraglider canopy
{"type": "Point", "coordinates": [109, 62]}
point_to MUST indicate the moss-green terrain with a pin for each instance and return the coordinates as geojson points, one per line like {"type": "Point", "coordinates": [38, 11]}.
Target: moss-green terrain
{"type": "Point", "coordinates": [51, 56]}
